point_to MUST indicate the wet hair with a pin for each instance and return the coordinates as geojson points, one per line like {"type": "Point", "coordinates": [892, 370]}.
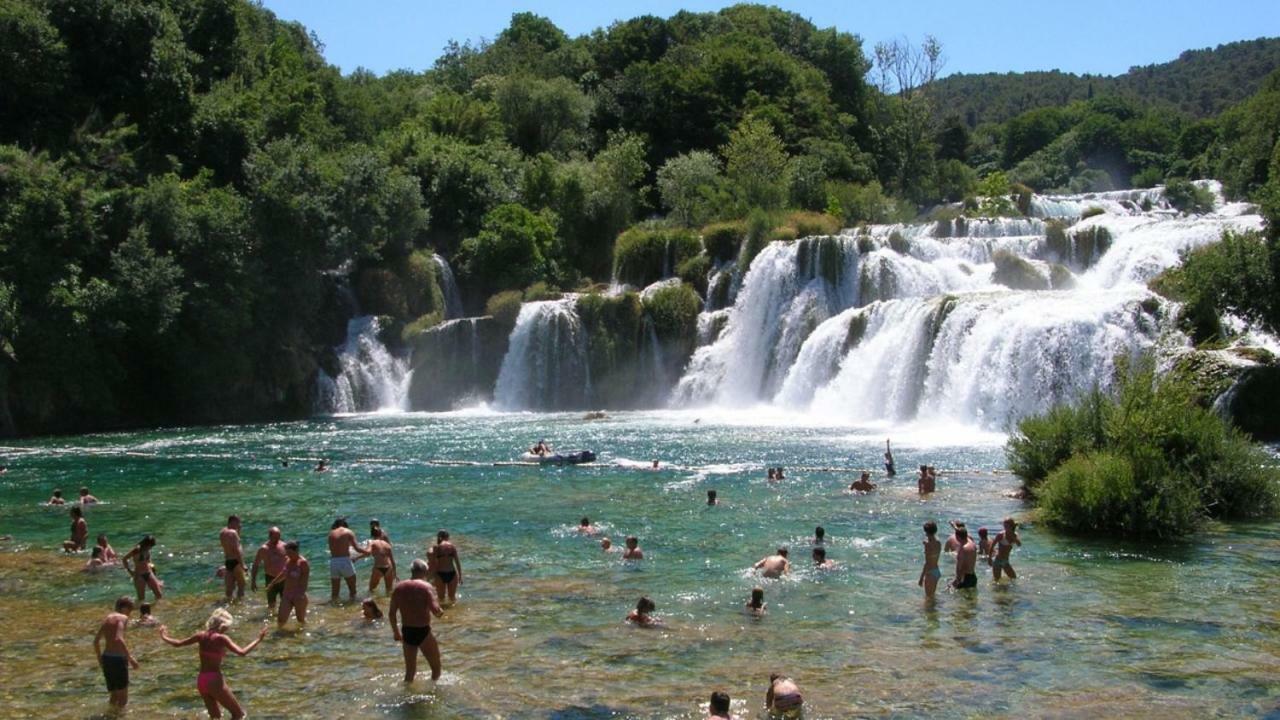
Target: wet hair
{"type": "Point", "coordinates": [865, 475]}
{"type": "Point", "coordinates": [373, 522]}
{"type": "Point", "coordinates": [719, 702]}
{"type": "Point", "coordinates": [931, 528]}
{"type": "Point", "coordinates": [644, 605]}
{"type": "Point", "coordinates": [441, 536]}
{"type": "Point", "coordinates": [102, 537]}
{"type": "Point", "coordinates": [819, 553]}
{"type": "Point", "coordinates": [633, 539]}
{"type": "Point", "coordinates": [124, 602]}
{"type": "Point", "coordinates": [757, 597]}
{"type": "Point", "coordinates": [783, 551]}
{"type": "Point", "coordinates": [774, 677]}
{"type": "Point", "coordinates": [711, 494]}
{"type": "Point", "coordinates": [819, 532]}
{"type": "Point", "coordinates": [144, 609]}
{"type": "Point", "coordinates": [1011, 522]}
{"type": "Point", "coordinates": [97, 551]}
{"type": "Point", "coordinates": [924, 469]}
{"type": "Point", "coordinates": [340, 522]}
{"type": "Point", "coordinates": [76, 512]}
{"type": "Point", "coordinates": [772, 473]}
{"type": "Point", "coordinates": [232, 518]}
{"type": "Point", "coordinates": [961, 533]}
{"type": "Point", "coordinates": [57, 493]}
{"type": "Point", "coordinates": [147, 540]}
{"type": "Point", "coordinates": [291, 545]}
{"type": "Point", "coordinates": [84, 491]}
{"type": "Point", "coordinates": [584, 522]}
{"type": "Point", "coordinates": [419, 568]}
{"type": "Point", "coordinates": [372, 604]}
{"type": "Point", "coordinates": [982, 532]}
{"type": "Point", "coordinates": [220, 620]}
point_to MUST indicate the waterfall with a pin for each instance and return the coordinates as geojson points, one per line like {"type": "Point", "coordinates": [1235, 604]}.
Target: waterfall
{"type": "Point", "coordinates": [370, 377]}
{"type": "Point", "coordinates": [449, 287]}
{"type": "Point", "coordinates": [976, 321]}
{"type": "Point", "coordinates": [545, 367]}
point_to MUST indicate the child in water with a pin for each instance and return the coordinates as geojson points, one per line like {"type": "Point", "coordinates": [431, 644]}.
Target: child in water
{"type": "Point", "coordinates": [370, 611]}
{"type": "Point", "coordinates": [145, 618]}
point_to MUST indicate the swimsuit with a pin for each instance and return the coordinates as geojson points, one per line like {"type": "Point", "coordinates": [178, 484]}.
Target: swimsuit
{"type": "Point", "coordinates": [231, 563]}
{"type": "Point", "coordinates": [206, 679]}
{"type": "Point", "coordinates": [415, 635]}
{"type": "Point", "coordinates": [272, 592]}
{"type": "Point", "coordinates": [446, 576]}
{"type": "Point", "coordinates": [787, 703]}
{"type": "Point", "coordinates": [1000, 563]}
{"type": "Point", "coordinates": [293, 595]}
{"type": "Point", "coordinates": [970, 581]}
{"type": "Point", "coordinates": [341, 567]}
{"type": "Point", "coordinates": [384, 570]}
{"type": "Point", "coordinates": [115, 668]}
{"type": "Point", "coordinates": [934, 572]}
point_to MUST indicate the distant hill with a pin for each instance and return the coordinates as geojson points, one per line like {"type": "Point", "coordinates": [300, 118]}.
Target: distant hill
{"type": "Point", "coordinates": [1200, 83]}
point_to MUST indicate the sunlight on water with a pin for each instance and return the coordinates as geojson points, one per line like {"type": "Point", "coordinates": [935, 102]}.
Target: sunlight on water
{"type": "Point", "coordinates": [1090, 629]}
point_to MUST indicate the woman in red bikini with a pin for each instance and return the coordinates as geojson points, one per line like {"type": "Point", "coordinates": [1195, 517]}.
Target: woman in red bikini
{"type": "Point", "coordinates": [213, 648]}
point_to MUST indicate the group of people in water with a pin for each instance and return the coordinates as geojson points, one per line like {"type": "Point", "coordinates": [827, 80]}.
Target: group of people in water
{"type": "Point", "coordinates": [433, 584]}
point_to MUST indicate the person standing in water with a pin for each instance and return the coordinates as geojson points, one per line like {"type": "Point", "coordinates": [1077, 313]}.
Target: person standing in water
{"type": "Point", "coordinates": [342, 542]}
{"type": "Point", "coordinates": [889, 469]}
{"type": "Point", "coordinates": [443, 560]}
{"type": "Point", "coordinates": [930, 573]}
{"type": "Point", "coordinates": [633, 551]}
{"type": "Point", "coordinates": [233, 557]}
{"type": "Point", "coordinates": [143, 572]}
{"type": "Point", "coordinates": [719, 707]}
{"type": "Point", "coordinates": [384, 562]}
{"type": "Point", "coordinates": [113, 652]}
{"type": "Point", "coordinates": [86, 498]}
{"type": "Point", "coordinates": [414, 601]}
{"type": "Point", "coordinates": [293, 579]}
{"type": "Point", "coordinates": [214, 644]}
{"type": "Point", "coordinates": [863, 484]}
{"type": "Point", "coordinates": [756, 605]}
{"type": "Point", "coordinates": [1002, 548]}
{"type": "Point", "coordinates": [927, 482]}
{"type": "Point", "coordinates": [57, 498]}
{"type": "Point", "coordinates": [966, 560]}
{"type": "Point", "coordinates": [272, 558]}
{"type": "Point", "coordinates": [79, 532]}
{"type": "Point", "coordinates": [783, 698]}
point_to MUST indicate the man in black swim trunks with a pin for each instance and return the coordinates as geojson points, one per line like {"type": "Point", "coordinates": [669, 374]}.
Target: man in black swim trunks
{"type": "Point", "coordinates": [115, 659]}
{"type": "Point", "coordinates": [966, 559]}
{"type": "Point", "coordinates": [416, 601]}
{"type": "Point", "coordinates": [233, 557]}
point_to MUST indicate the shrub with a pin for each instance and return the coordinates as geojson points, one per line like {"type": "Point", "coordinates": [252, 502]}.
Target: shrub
{"type": "Point", "coordinates": [541, 291]}
{"type": "Point", "coordinates": [421, 325]}
{"type": "Point", "coordinates": [783, 233]}
{"type": "Point", "coordinates": [1187, 196]}
{"type": "Point", "coordinates": [806, 224]}
{"type": "Point", "coordinates": [1231, 276]}
{"type": "Point", "coordinates": [674, 311]}
{"type": "Point", "coordinates": [722, 240]}
{"type": "Point", "coordinates": [1147, 177]}
{"type": "Point", "coordinates": [505, 307]}
{"type": "Point", "coordinates": [513, 250]}
{"type": "Point", "coordinates": [1043, 442]}
{"type": "Point", "coordinates": [644, 256]}
{"type": "Point", "coordinates": [380, 292]}
{"type": "Point", "coordinates": [854, 203]}
{"type": "Point", "coordinates": [694, 272]}
{"type": "Point", "coordinates": [759, 227]}
{"type": "Point", "coordinates": [1106, 492]}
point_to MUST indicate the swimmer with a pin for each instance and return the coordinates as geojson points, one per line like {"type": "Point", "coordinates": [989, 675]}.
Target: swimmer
{"type": "Point", "coordinates": [79, 532]}
{"type": "Point", "coordinates": [640, 617]}
{"type": "Point", "coordinates": [819, 536]}
{"type": "Point", "coordinates": [773, 475]}
{"type": "Point", "coordinates": [370, 611]}
{"type": "Point", "coordinates": [889, 469]}
{"type": "Point", "coordinates": [57, 499]}
{"type": "Point", "coordinates": [145, 618]}
{"type": "Point", "coordinates": [213, 647]}
{"type": "Point", "coordinates": [966, 559]}
{"type": "Point", "coordinates": [756, 605]}
{"type": "Point", "coordinates": [863, 484]}
{"type": "Point", "coordinates": [585, 527]}
{"type": "Point", "coordinates": [930, 573]}
{"type": "Point", "coordinates": [86, 498]}
{"type": "Point", "coordinates": [415, 602]}
{"type": "Point", "coordinates": [293, 579]}
{"type": "Point", "coordinates": [96, 563]}
{"type": "Point", "coordinates": [115, 658]}
{"type": "Point", "coordinates": [774, 566]}
{"type": "Point", "coordinates": [443, 560]}
{"type": "Point", "coordinates": [820, 560]}
{"type": "Point", "coordinates": [780, 474]}
{"type": "Point", "coordinates": [607, 545]}
{"type": "Point", "coordinates": [783, 697]}
{"type": "Point", "coordinates": [984, 545]}
{"type": "Point", "coordinates": [541, 449]}
{"type": "Point", "coordinates": [711, 498]}
{"type": "Point", "coordinates": [108, 553]}
{"type": "Point", "coordinates": [143, 572]}
{"type": "Point", "coordinates": [1003, 548]}
{"type": "Point", "coordinates": [655, 465]}
{"type": "Point", "coordinates": [384, 560]}
{"type": "Point", "coordinates": [342, 542]}
{"type": "Point", "coordinates": [272, 558]}
{"type": "Point", "coordinates": [719, 707]}
{"type": "Point", "coordinates": [633, 551]}
{"type": "Point", "coordinates": [232, 557]}
{"type": "Point", "coordinates": [323, 465]}
{"type": "Point", "coordinates": [927, 482]}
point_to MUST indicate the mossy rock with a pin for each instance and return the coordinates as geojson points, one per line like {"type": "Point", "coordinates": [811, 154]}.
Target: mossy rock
{"type": "Point", "coordinates": [504, 307]}
{"type": "Point", "coordinates": [1016, 273]}
{"type": "Point", "coordinates": [857, 329]}
{"type": "Point", "coordinates": [820, 256]}
{"type": "Point", "coordinates": [866, 245]}
{"type": "Point", "coordinates": [899, 243]}
{"type": "Point", "coordinates": [1060, 278]}
{"type": "Point", "coordinates": [642, 256]}
{"type": "Point", "coordinates": [694, 272]}
{"type": "Point", "coordinates": [723, 240]}
{"type": "Point", "coordinates": [1251, 404]}
{"type": "Point", "coordinates": [1056, 240]}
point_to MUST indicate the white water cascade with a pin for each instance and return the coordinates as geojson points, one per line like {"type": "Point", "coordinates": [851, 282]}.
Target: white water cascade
{"type": "Point", "coordinates": [545, 367]}
{"type": "Point", "coordinates": [371, 377]}
{"type": "Point", "coordinates": [921, 321]}
{"type": "Point", "coordinates": [449, 287]}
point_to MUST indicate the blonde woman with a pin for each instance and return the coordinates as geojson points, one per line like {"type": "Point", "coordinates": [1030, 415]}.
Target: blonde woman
{"type": "Point", "coordinates": [214, 645]}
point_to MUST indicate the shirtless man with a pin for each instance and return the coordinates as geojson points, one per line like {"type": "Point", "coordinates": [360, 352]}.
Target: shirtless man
{"type": "Point", "coordinates": [633, 551]}
{"type": "Point", "coordinates": [342, 542]}
{"type": "Point", "coordinates": [384, 562]}
{"type": "Point", "coordinates": [930, 573]}
{"type": "Point", "coordinates": [585, 527]}
{"type": "Point", "coordinates": [719, 707]}
{"type": "Point", "coordinates": [774, 566]}
{"type": "Point", "coordinates": [57, 499]}
{"type": "Point", "coordinates": [86, 498]}
{"type": "Point", "coordinates": [863, 484]}
{"type": "Point", "coordinates": [1002, 548]}
{"type": "Point", "coordinates": [416, 601]}
{"type": "Point", "coordinates": [443, 561]}
{"type": "Point", "coordinates": [966, 559]}
{"type": "Point", "coordinates": [233, 557]}
{"type": "Point", "coordinates": [115, 659]}
{"type": "Point", "coordinates": [79, 532]}
{"type": "Point", "coordinates": [783, 698]}
{"type": "Point", "coordinates": [271, 557]}
{"type": "Point", "coordinates": [927, 482]}
{"type": "Point", "coordinates": [607, 545]}
{"type": "Point", "coordinates": [820, 560]}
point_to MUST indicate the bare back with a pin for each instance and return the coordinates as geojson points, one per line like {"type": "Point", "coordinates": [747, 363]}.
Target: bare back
{"type": "Point", "coordinates": [112, 632]}
{"type": "Point", "coordinates": [341, 542]}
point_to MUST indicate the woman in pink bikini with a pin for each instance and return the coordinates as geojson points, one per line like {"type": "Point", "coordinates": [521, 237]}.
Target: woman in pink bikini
{"type": "Point", "coordinates": [213, 648]}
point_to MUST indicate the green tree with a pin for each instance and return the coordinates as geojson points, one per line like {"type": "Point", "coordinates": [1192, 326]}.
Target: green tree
{"type": "Point", "coordinates": [690, 185]}
{"type": "Point", "coordinates": [756, 164]}
{"type": "Point", "coordinates": [514, 249]}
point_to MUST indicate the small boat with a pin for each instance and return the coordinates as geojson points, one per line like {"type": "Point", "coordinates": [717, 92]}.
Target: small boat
{"type": "Point", "coordinates": [577, 457]}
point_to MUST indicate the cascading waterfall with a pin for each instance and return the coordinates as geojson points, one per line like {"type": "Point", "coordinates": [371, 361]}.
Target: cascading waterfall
{"type": "Point", "coordinates": [914, 324]}
{"type": "Point", "coordinates": [371, 377]}
{"type": "Point", "coordinates": [449, 287]}
{"type": "Point", "coordinates": [545, 367]}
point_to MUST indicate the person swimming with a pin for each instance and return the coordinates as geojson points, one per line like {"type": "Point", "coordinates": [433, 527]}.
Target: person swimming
{"type": "Point", "coordinates": [369, 610]}
{"type": "Point", "coordinates": [57, 498]}
{"type": "Point", "coordinates": [585, 527]}
{"type": "Point", "coordinates": [145, 618]}
{"type": "Point", "coordinates": [863, 484]}
{"type": "Point", "coordinates": [96, 563]}
{"type": "Point", "coordinates": [756, 605]}
{"type": "Point", "coordinates": [820, 560]}
{"type": "Point", "coordinates": [641, 616]}
{"type": "Point", "coordinates": [774, 566]}
{"type": "Point", "coordinates": [632, 551]}
{"type": "Point", "coordinates": [819, 536]}
{"type": "Point", "coordinates": [711, 498]}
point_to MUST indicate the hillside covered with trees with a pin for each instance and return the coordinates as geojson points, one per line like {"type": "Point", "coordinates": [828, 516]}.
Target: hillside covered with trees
{"type": "Point", "coordinates": [186, 185]}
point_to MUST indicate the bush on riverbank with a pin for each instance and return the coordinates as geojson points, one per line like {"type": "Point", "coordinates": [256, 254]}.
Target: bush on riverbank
{"type": "Point", "coordinates": [644, 256]}
{"type": "Point", "coordinates": [1142, 459]}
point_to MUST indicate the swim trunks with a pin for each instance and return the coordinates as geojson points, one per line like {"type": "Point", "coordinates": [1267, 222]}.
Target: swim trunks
{"type": "Point", "coordinates": [970, 581]}
{"type": "Point", "coordinates": [115, 668]}
{"type": "Point", "coordinates": [341, 567]}
{"type": "Point", "coordinates": [415, 636]}
{"type": "Point", "coordinates": [231, 563]}
{"type": "Point", "coordinates": [273, 592]}
{"type": "Point", "coordinates": [1000, 563]}
{"type": "Point", "coordinates": [446, 576]}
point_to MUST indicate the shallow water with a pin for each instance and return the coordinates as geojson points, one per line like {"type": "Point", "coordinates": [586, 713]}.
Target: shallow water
{"type": "Point", "coordinates": [1089, 629]}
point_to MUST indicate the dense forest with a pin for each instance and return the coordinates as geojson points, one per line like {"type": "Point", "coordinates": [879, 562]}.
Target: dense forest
{"type": "Point", "coordinates": [186, 184]}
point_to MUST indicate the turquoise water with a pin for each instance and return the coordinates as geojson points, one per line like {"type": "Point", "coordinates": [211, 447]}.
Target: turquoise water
{"type": "Point", "coordinates": [1090, 628]}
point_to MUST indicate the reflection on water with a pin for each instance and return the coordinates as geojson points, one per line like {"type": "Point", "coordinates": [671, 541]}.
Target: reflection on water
{"type": "Point", "coordinates": [1091, 628]}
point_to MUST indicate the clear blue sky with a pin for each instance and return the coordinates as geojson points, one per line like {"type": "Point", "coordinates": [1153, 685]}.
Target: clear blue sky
{"type": "Point", "coordinates": [1093, 36]}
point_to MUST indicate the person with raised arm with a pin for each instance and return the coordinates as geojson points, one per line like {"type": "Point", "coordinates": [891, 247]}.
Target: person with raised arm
{"type": "Point", "coordinates": [214, 644]}
{"type": "Point", "coordinates": [889, 468]}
